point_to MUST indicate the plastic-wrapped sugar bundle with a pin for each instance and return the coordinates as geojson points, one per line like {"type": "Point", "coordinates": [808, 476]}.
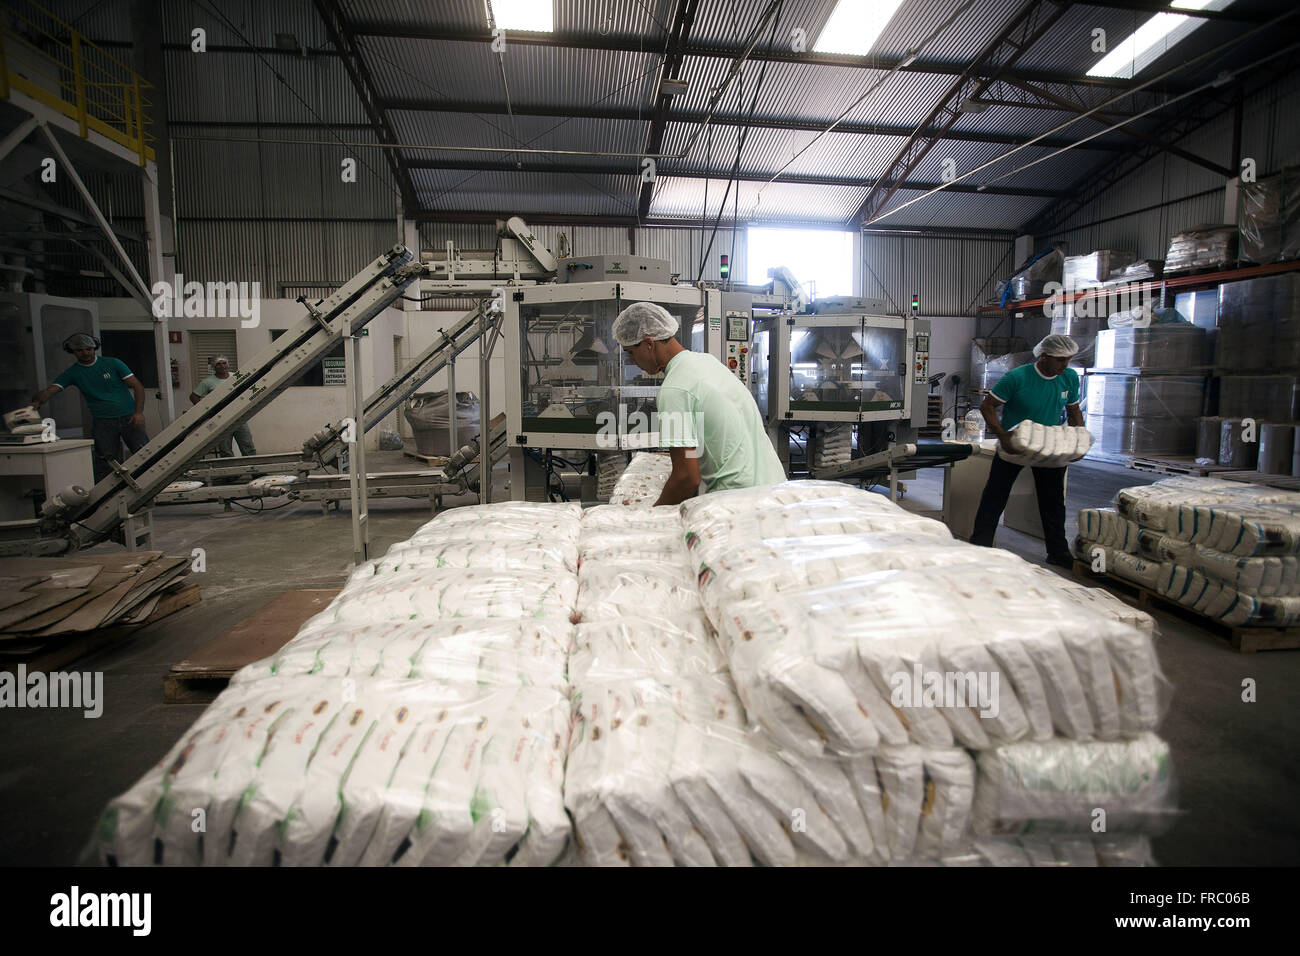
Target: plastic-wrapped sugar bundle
{"type": "Point", "coordinates": [484, 651]}
{"type": "Point", "coordinates": [1058, 665]}
{"type": "Point", "coordinates": [745, 500]}
{"type": "Point", "coordinates": [302, 772]}
{"type": "Point", "coordinates": [1058, 786]}
{"type": "Point", "coordinates": [1234, 517]}
{"type": "Point", "coordinates": [469, 549]}
{"type": "Point", "coordinates": [610, 547]}
{"type": "Point", "coordinates": [632, 748]}
{"type": "Point", "coordinates": [612, 591]}
{"type": "Point", "coordinates": [655, 765]}
{"type": "Point", "coordinates": [1047, 446]}
{"type": "Point", "coordinates": [1099, 600]}
{"type": "Point", "coordinates": [614, 517]}
{"type": "Point", "coordinates": [746, 568]}
{"type": "Point", "coordinates": [642, 481]}
{"type": "Point", "coordinates": [678, 645]}
{"type": "Point", "coordinates": [438, 594]}
{"type": "Point", "coordinates": [1108, 527]}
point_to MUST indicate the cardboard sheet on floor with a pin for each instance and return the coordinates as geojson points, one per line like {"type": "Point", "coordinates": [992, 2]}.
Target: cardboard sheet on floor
{"type": "Point", "coordinates": [14, 617]}
{"type": "Point", "coordinates": [79, 576]}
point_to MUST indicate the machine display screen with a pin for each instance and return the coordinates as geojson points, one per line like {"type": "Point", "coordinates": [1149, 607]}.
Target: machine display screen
{"type": "Point", "coordinates": [737, 327]}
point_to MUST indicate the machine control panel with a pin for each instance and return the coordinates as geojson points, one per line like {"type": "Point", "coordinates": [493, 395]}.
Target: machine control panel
{"type": "Point", "coordinates": [736, 345]}
{"type": "Point", "coordinates": [921, 366]}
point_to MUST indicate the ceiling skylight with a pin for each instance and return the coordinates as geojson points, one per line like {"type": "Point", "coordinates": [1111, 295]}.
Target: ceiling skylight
{"type": "Point", "coordinates": [1153, 39]}
{"type": "Point", "coordinates": [533, 16]}
{"type": "Point", "coordinates": [855, 26]}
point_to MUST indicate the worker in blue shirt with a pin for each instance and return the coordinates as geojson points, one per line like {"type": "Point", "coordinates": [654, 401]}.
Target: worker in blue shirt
{"type": "Point", "coordinates": [115, 398]}
{"type": "Point", "coordinates": [1040, 392]}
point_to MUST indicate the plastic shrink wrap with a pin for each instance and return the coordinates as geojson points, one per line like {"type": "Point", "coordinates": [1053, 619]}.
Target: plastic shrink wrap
{"type": "Point", "coordinates": [422, 718]}
{"type": "Point", "coordinates": [1226, 549]}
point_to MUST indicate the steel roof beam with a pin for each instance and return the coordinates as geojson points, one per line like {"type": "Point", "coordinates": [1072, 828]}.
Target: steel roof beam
{"type": "Point", "coordinates": [856, 182]}
{"type": "Point", "coordinates": [416, 104]}
{"type": "Point", "coordinates": [1028, 26]}
{"type": "Point", "coordinates": [670, 68]}
{"type": "Point", "coordinates": [1106, 118]}
{"type": "Point", "coordinates": [345, 42]}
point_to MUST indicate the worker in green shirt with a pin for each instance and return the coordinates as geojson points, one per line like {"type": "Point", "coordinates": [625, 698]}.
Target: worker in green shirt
{"type": "Point", "coordinates": [243, 434]}
{"type": "Point", "coordinates": [1040, 392]}
{"type": "Point", "coordinates": [708, 421]}
{"type": "Point", "coordinates": [115, 398]}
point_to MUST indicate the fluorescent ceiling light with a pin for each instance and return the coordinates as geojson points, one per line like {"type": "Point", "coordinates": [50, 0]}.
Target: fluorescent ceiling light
{"type": "Point", "coordinates": [533, 16]}
{"type": "Point", "coordinates": [1153, 39]}
{"type": "Point", "coordinates": [855, 26]}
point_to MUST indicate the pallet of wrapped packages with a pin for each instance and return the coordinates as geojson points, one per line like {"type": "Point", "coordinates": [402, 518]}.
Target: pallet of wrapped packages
{"type": "Point", "coordinates": [422, 718]}
{"type": "Point", "coordinates": [1226, 551]}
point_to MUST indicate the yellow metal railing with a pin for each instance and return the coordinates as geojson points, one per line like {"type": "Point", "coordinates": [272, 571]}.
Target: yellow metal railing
{"type": "Point", "coordinates": [46, 59]}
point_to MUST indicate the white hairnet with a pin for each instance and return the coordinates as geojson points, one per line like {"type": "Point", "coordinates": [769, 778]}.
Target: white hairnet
{"type": "Point", "coordinates": [1057, 346]}
{"type": "Point", "coordinates": [641, 319]}
{"type": "Point", "coordinates": [220, 358]}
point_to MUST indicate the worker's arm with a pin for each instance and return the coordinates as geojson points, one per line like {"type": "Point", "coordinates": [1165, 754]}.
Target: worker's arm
{"type": "Point", "coordinates": [195, 398]}
{"type": "Point", "coordinates": [138, 390]}
{"type": "Point", "coordinates": [44, 395]}
{"type": "Point", "coordinates": [989, 409]}
{"type": "Point", "coordinates": [1074, 415]}
{"type": "Point", "coordinates": [684, 482]}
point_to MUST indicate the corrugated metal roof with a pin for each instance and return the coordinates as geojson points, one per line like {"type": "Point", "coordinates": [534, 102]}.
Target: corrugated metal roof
{"type": "Point", "coordinates": [240, 21]}
{"type": "Point", "coordinates": [538, 132]}
{"type": "Point", "coordinates": [583, 194]}
{"type": "Point", "coordinates": [539, 75]}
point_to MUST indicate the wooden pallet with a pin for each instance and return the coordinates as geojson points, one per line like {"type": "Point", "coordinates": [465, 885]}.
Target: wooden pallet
{"type": "Point", "coordinates": [55, 654]}
{"type": "Point", "coordinates": [207, 672]}
{"type": "Point", "coordinates": [1247, 640]}
{"type": "Point", "coordinates": [1174, 466]}
{"type": "Point", "coordinates": [433, 461]}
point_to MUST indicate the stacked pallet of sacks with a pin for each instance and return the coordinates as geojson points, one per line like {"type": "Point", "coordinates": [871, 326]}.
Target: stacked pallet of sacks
{"type": "Point", "coordinates": [1226, 549]}
{"type": "Point", "coordinates": [422, 718]}
{"type": "Point", "coordinates": [641, 482]}
{"type": "Point", "coordinates": [837, 613]}
{"type": "Point", "coordinates": [663, 768]}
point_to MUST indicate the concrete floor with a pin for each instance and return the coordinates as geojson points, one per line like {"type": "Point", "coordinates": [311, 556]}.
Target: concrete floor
{"type": "Point", "coordinates": [1236, 763]}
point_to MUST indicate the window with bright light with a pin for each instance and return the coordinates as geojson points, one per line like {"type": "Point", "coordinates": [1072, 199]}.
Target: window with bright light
{"type": "Point", "coordinates": [1154, 39]}
{"type": "Point", "coordinates": [532, 16]}
{"type": "Point", "coordinates": [821, 259]}
{"type": "Point", "coordinates": [855, 26]}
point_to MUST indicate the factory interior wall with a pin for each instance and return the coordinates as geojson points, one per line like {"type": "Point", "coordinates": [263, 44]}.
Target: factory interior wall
{"type": "Point", "coordinates": [300, 410]}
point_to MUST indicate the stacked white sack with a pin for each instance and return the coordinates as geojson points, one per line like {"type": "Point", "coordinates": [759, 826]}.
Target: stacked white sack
{"type": "Point", "coordinates": [831, 617]}
{"type": "Point", "coordinates": [663, 769]}
{"type": "Point", "coordinates": [422, 718]}
{"type": "Point", "coordinates": [642, 481]}
{"type": "Point", "coordinates": [1071, 787]}
{"type": "Point", "coordinates": [835, 446]}
{"type": "Point", "coordinates": [1226, 549]}
{"type": "Point", "coordinates": [1046, 446]}
{"type": "Point", "coordinates": [297, 772]}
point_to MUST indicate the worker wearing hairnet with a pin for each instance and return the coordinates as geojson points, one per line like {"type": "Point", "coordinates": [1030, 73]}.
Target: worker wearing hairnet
{"type": "Point", "coordinates": [707, 419]}
{"type": "Point", "coordinates": [1040, 392]}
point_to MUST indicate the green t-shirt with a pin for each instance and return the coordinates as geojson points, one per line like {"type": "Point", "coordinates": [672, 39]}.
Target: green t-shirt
{"type": "Point", "coordinates": [702, 405]}
{"type": "Point", "coordinates": [102, 385]}
{"type": "Point", "coordinates": [210, 383]}
{"type": "Point", "coordinates": [1028, 394]}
